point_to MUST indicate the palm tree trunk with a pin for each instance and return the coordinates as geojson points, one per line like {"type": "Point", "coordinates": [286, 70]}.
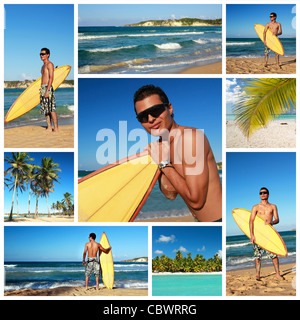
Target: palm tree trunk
{"type": "Point", "coordinates": [17, 204]}
{"type": "Point", "coordinates": [36, 207]}
{"type": "Point", "coordinates": [29, 203]}
{"type": "Point", "coordinates": [48, 207]}
{"type": "Point", "coordinates": [12, 204]}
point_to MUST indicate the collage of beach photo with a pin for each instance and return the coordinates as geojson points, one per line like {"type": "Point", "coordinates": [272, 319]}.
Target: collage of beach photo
{"type": "Point", "coordinates": [149, 150]}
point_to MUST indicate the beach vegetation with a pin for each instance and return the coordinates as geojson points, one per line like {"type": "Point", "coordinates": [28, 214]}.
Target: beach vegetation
{"type": "Point", "coordinates": [22, 174]}
{"type": "Point", "coordinates": [262, 101]}
{"type": "Point", "coordinates": [186, 264]}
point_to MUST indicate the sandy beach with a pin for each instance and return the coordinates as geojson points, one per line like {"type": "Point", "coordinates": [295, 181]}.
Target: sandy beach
{"type": "Point", "coordinates": [213, 68]}
{"type": "Point", "coordinates": [43, 219]}
{"type": "Point", "coordinates": [244, 283]}
{"type": "Point", "coordinates": [38, 137]}
{"type": "Point", "coordinates": [278, 134]}
{"type": "Point", "coordinates": [77, 291]}
{"type": "Point", "coordinates": [256, 65]}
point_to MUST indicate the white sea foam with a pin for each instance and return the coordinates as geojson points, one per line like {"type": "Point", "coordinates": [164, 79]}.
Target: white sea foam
{"type": "Point", "coordinates": [239, 43]}
{"type": "Point", "coordinates": [200, 41]}
{"type": "Point", "coordinates": [110, 49]}
{"type": "Point", "coordinates": [168, 46]}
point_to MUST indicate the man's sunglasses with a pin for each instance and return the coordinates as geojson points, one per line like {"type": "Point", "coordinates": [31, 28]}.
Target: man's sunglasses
{"type": "Point", "coordinates": [263, 192]}
{"type": "Point", "coordinates": [154, 111]}
{"type": "Point", "coordinates": [42, 54]}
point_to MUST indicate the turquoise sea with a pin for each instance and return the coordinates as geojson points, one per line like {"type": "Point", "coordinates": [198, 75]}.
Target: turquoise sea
{"type": "Point", "coordinates": [187, 285]}
{"type": "Point", "coordinates": [147, 49]}
{"type": "Point", "coordinates": [49, 275]}
{"type": "Point", "coordinates": [254, 47]}
{"type": "Point", "coordinates": [239, 251]}
{"type": "Point", "coordinates": [279, 117]}
{"type": "Point", "coordinates": [64, 98]}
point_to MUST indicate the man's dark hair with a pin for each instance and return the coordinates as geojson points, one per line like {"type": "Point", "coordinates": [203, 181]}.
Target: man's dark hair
{"type": "Point", "coordinates": [93, 235]}
{"type": "Point", "coordinates": [149, 90]}
{"type": "Point", "coordinates": [273, 14]}
{"type": "Point", "coordinates": [47, 50]}
{"type": "Point", "coordinates": [264, 188]}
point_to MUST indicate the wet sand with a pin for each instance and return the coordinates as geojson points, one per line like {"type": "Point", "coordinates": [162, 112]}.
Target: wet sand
{"type": "Point", "coordinates": [47, 219]}
{"type": "Point", "coordinates": [213, 68]}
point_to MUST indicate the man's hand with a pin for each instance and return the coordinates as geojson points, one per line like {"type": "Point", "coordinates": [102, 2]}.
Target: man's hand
{"type": "Point", "coordinates": [159, 151]}
{"type": "Point", "coordinates": [252, 239]}
{"type": "Point", "coordinates": [46, 94]}
{"type": "Point", "coordinates": [83, 263]}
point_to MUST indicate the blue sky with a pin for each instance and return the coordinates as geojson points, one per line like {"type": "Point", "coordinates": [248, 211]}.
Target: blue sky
{"type": "Point", "coordinates": [67, 243]}
{"type": "Point", "coordinates": [66, 164]}
{"type": "Point", "coordinates": [120, 14]}
{"type": "Point", "coordinates": [28, 28]}
{"type": "Point", "coordinates": [247, 172]}
{"type": "Point", "coordinates": [206, 241]}
{"type": "Point", "coordinates": [240, 19]}
{"type": "Point", "coordinates": [102, 103]}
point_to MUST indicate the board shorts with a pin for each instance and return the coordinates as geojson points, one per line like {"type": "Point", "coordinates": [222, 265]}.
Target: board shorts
{"type": "Point", "coordinates": [92, 266]}
{"type": "Point", "coordinates": [267, 50]}
{"type": "Point", "coordinates": [47, 104]}
{"type": "Point", "coordinates": [258, 252]}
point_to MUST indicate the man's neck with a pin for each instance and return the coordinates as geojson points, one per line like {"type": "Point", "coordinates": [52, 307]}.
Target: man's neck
{"type": "Point", "coordinates": [264, 202]}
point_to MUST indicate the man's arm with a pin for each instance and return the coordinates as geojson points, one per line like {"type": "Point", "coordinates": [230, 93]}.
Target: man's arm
{"type": "Point", "coordinates": [275, 216]}
{"type": "Point", "coordinates": [279, 32]}
{"type": "Point", "coordinates": [265, 33]}
{"type": "Point", "coordinates": [50, 68]}
{"type": "Point", "coordinates": [84, 254]}
{"type": "Point", "coordinates": [103, 249]}
{"type": "Point", "coordinates": [193, 185]}
{"type": "Point", "coordinates": [251, 223]}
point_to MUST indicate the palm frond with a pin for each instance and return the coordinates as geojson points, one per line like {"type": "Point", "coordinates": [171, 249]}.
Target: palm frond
{"type": "Point", "coordinates": [262, 101]}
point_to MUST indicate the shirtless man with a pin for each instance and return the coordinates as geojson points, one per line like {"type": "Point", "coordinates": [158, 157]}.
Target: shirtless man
{"type": "Point", "coordinates": [269, 213]}
{"type": "Point", "coordinates": [92, 264]}
{"type": "Point", "coordinates": [275, 28]}
{"type": "Point", "coordinates": [185, 158]}
{"type": "Point", "coordinates": [47, 97]}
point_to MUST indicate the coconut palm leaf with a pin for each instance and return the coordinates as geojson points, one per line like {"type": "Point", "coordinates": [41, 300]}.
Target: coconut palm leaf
{"type": "Point", "coordinates": [262, 101]}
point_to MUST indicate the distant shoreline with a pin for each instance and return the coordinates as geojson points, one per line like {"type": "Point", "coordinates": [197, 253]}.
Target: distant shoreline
{"type": "Point", "coordinates": [184, 22]}
{"type": "Point", "coordinates": [18, 84]}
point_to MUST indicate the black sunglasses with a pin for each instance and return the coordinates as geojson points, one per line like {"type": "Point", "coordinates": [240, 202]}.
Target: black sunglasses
{"type": "Point", "coordinates": [42, 54]}
{"type": "Point", "coordinates": [154, 111]}
{"type": "Point", "coordinates": [263, 192]}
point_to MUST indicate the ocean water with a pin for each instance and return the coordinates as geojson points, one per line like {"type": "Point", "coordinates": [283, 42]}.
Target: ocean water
{"type": "Point", "coordinates": [239, 251]}
{"type": "Point", "coordinates": [157, 205]}
{"type": "Point", "coordinates": [254, 47]}
{"type": "Point", "coordinates": [48, 275]}
{"type": "Point", "coordinates": [187, 285]}
{"type": "Point", "coordinates": [64, 98]}
{"type": "Point", "coordinates": [147, 49]}
{"type": "Point", "coordinates": [279, 117]}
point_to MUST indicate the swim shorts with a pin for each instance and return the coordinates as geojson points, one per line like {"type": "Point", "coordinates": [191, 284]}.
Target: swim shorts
{"type": "Point", "coordinates": [47, 104]}
{"type": "Point", "coordinates": [267, 50]}
{"type": "Point", "coordinates": [92, 266]}
{"type": "Point", "coordinates": [258, 252]}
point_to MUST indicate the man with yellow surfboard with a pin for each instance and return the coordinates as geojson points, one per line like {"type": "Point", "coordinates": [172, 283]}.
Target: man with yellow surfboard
{"type": "Point", "coordinates": [184, 156]}
{"type": "Point", "coordinates": [268, 212]}
{"type": "Point", "coordinates": [275, 28]}
{"type": "Point", "coordinates": [47, 97]}
{"type": "Point", "coordinates": [92, 264]}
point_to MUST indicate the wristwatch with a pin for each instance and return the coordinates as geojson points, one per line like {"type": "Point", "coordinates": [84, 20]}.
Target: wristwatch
{"type": "Point", "coordinates": [163, 164]}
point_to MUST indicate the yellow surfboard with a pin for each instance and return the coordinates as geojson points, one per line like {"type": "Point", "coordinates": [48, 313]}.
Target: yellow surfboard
{"type": "Point", "coordinates": [117, 192]}
{"type": "Point", "coordinates": [265, 235]}
{"type": "Point", "coordinates": [30, 97]}
{"type": "Point", "coordinates": [107, 264]}
{"type": "Point", "coordinates": [272, 41]}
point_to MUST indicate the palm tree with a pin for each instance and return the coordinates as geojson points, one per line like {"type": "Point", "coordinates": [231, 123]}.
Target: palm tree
{"type": "Point", "coordinates": [29, 179]}
{"type": "Point", "coordinates": [19, 167]}
{"type": "Point", "coordinates": [68, 200]}
{"type": "Point", "coordinates": [262, 101]}
{"type": "Point", "coordinates": [48, 173]}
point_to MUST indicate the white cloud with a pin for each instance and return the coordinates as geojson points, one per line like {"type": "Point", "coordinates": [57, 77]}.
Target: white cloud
{"type": "Point", "coordinates": [181, 248]}
{"type": "Point", "coordinates": [166, 239]}
{"type": "Point", "coordinates": [233, 91]}
{"type": "Point", "coordinates": [158, 252]}
{"type": "Point", "coordinates": [203, 249]}
{"type": "Point", "coordinates": [219, 253]}
{"type": "Point", "coordinates": [173, 16]}
{"type": "Point", "coordinates": [26, 77]}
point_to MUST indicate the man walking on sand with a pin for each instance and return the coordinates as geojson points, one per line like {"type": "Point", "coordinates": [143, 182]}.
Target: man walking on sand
{"type": "Point", "coordinates": [47, 97]}
{"type": "Point", "coordinates": [268, 212]}
{"type": "Point", "coordinates": [275, 28]}
{"type": "Point", "coordinates": [92, 265]}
